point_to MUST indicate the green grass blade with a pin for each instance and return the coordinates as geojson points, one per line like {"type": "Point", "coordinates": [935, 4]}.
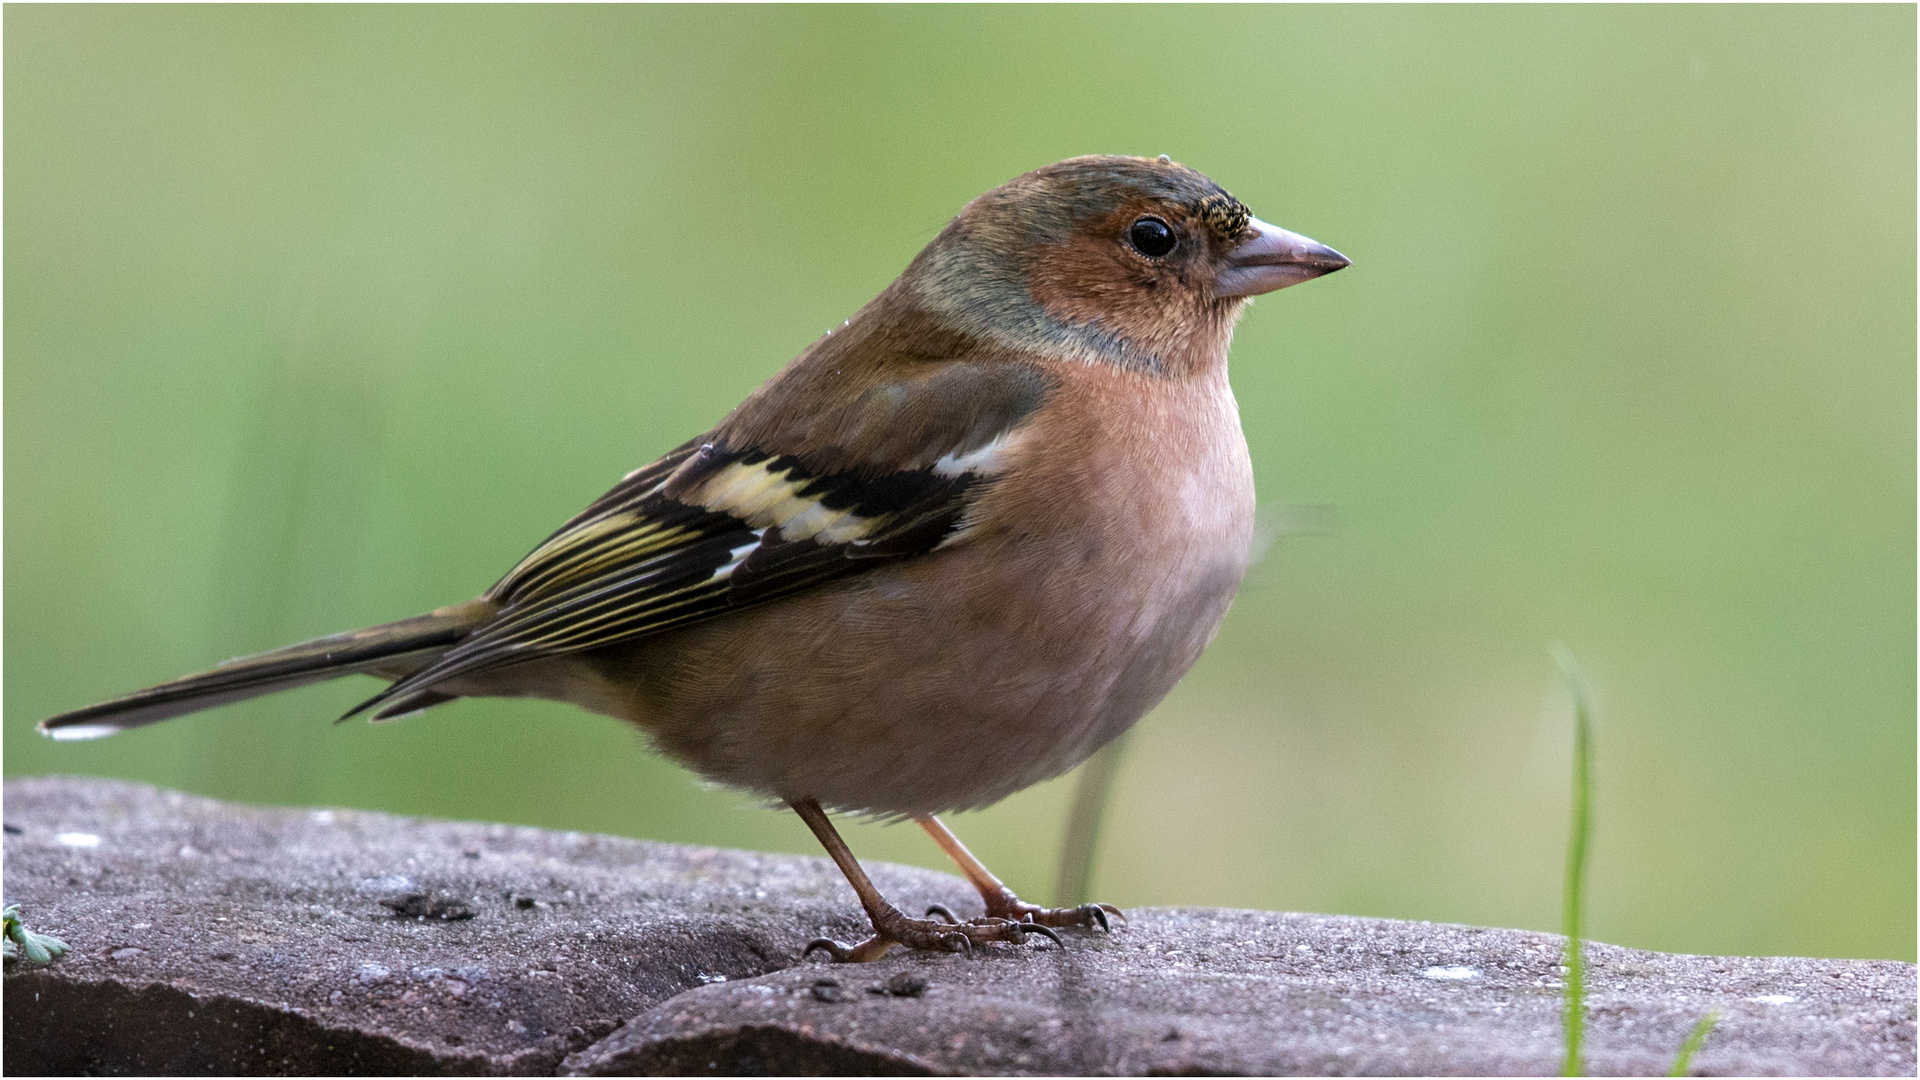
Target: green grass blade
{"type": "Point", "coordinates": [1578, 837]}
{"type": "Point", "coordinates": [1695, 1039]}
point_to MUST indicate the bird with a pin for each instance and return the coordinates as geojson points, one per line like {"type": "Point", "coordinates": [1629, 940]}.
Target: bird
{"type": "Point", "coordinates": [952, 548]}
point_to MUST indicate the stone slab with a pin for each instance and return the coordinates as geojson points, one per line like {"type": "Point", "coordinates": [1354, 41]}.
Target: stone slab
{"type": "Point", "coordinates": [1212, 992]}
{"type": "Point", "coordinates": [213, 937]}
{"type": "Point", "coordinates": [209, 937]}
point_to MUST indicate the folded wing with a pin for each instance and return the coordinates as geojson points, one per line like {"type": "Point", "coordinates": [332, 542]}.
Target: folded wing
{"type": "Point", "coordinates": [729, 521]}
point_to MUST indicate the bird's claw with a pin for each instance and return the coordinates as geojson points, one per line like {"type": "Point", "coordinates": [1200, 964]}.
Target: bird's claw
{"type": "Point", "coordinates": [1042, 929]}
{"type": "Point", "coordinates": [1099, 913]}
{"type": "Point", "coordinates": [892, 928]}
{"type": "Point", "coordinates": [862, 952]}
{"type": "Point", "coordinates": [1011, 907]}
{"type": "Point", "coordinates": [1026, 925]}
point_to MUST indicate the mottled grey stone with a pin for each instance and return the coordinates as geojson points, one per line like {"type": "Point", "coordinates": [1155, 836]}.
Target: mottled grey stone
{"type": "Point", "coordinates": [209, 937]}
{"type": "Point", "coordinates": [1206, 991]}
{"type": "Point", "coordinates": [216, 938]}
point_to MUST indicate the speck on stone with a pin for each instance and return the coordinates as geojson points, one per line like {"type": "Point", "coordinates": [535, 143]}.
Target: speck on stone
{"type": "Point", "coordinates": [906, 984]}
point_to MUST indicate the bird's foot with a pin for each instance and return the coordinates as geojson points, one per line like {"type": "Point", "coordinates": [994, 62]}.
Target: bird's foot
{"type": "Point", "coordinates": [1004, 906]}
{"type": "Point", "coordinates": [892, 928]}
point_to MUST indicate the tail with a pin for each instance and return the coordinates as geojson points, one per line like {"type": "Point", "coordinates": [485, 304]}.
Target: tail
{"type": "Point", "coordinates": [392, 650]}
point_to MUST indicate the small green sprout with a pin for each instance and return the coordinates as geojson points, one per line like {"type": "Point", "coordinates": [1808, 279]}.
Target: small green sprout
{"type": "Point", "coordinates": [1695, 1039]}
{"type": "Point", "coordinates": [21, 943]}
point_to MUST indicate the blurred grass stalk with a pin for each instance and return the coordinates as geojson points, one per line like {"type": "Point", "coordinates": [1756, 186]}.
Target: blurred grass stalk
{"type": "Point", "coordinates": [1090, 794]}
{"type": "Point", "coordinates": [1578, 837]}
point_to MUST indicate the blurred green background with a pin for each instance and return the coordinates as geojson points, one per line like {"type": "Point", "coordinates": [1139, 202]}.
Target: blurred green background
{"type": "Point", "coordinates": [317, 317]}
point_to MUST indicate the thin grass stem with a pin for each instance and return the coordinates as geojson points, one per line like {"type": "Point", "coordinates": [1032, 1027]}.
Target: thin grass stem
{"type": "Point", "coordinates": [1578, 838]}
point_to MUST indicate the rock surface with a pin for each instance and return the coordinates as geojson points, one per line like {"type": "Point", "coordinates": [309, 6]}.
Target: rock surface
{"type": "Point", "coordinates": [209, 937]}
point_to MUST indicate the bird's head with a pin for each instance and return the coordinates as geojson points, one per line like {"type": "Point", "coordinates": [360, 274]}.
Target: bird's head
{"type": "Point", "coordinates": [1140, 262]}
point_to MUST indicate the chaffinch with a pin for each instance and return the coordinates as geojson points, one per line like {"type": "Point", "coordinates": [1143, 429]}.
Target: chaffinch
{"type": "Point", "coordinates": [951, 549]}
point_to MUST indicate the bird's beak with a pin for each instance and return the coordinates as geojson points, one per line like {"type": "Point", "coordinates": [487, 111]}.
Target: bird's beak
{"type": "Point", "coordinates": [1274, 259]}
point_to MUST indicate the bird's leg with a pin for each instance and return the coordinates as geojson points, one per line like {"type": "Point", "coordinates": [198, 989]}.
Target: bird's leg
{"type": "Point", "coordinates": [890, 927]}
{"type": "Point", "coordinates": [1002, 904]}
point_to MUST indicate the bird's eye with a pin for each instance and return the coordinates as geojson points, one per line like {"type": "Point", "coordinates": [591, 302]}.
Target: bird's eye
{"type": "Point", "coordinates": [1151, 237]}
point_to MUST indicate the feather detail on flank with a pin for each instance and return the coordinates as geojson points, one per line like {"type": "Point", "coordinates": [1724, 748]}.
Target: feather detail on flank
{"type": "Point", "coordinates": [740, 555]}
{"type": "Point", "coordinates": [82, 732]}
{"type": "Point", "coordinates": [983, 461]}
{"type": "Point", "coordinates": [774, 492]}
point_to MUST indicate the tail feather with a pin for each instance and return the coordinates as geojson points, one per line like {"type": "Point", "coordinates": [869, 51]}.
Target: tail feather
{"type": "Point", "coordinates": [391, 650]}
